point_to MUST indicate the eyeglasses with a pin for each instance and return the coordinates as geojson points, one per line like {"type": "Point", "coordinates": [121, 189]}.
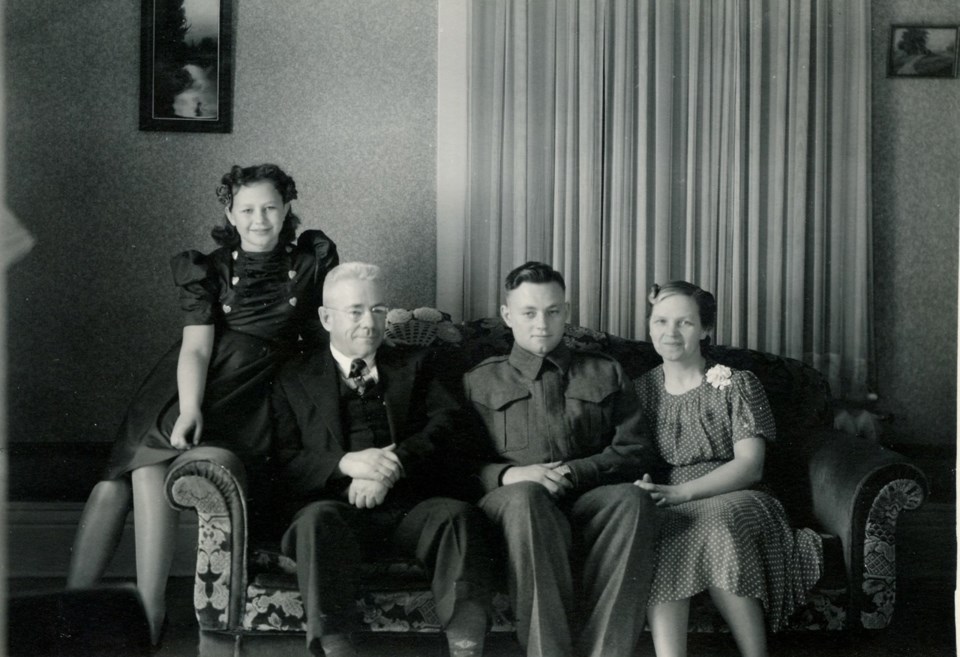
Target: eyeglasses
{"type": "Point", "coordinates": [357, 313]}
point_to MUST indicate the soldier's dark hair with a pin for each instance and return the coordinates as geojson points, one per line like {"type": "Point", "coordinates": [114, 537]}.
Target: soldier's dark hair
{"type": "Point", "coordinates": [533, 272]}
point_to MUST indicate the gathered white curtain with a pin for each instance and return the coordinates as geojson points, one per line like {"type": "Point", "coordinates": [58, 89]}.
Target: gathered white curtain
{"type": "Point", "coordinates": [724, 142]}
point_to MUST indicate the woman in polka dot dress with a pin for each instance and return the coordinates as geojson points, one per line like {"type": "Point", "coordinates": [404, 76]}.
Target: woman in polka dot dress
{"type": "Point", "coordinates": [247, 307]}
{"type": "Point", "coordinates": [721, 533]}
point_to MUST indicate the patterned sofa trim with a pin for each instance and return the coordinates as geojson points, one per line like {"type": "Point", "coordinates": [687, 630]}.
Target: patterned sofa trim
{"type": "Point", "coordinates": [880, 551]}
{"type": "Point", "coordinates": [212, 483]}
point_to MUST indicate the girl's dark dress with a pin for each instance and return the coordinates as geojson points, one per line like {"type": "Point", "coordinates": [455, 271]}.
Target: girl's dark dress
{"type": "Point", "coordinates": [263, 307]}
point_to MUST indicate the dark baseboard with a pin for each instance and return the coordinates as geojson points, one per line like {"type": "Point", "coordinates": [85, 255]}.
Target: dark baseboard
{"type": "Point", "coordinates": [54, 472]}
{"type": "Point", "coordinates": [40, 537]}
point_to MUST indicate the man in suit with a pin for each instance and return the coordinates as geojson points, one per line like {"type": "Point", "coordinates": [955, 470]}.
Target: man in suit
{"type": "Point", "coordinates": [563, 442]}
{"type": "Point", "coordinates": [358, 425]}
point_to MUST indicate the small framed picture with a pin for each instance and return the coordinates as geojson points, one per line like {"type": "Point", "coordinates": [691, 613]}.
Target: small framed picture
{"type": "Point", "coordinates": [186, 65]}
{"type": "Point", "coordinates": [923, 51]}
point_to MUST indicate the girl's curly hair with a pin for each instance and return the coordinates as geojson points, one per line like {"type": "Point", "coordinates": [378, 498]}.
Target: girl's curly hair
{"type": "Point", "coordinates": [225, 234]}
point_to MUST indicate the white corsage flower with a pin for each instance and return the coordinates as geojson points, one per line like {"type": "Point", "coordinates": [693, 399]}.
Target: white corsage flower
{"type": "Point", "coordinates": [719, 376]}
{"type": "Point", "coordinates": [428, 314]}
{"type": "Point", "coordinates": [399, 316]}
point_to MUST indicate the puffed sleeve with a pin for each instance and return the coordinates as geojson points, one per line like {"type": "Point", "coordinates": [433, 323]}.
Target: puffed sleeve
{"type": "Point", "coordinates": [322, 254]}
{"type": "Point", "coordinates": [325, 251]}
{"type": "Point", "coordinates": [194, 274]}
{"type": "Point", "coordinates": [750, 411]}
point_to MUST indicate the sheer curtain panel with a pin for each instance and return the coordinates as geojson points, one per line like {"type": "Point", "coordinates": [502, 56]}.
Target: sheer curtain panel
{"type": "Point", "coordinates": [724, 142]}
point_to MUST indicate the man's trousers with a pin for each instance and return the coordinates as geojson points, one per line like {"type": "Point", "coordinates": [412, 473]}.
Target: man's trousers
{"type": "Point", "coordinates": [328, 539]}
{"type": "Point", "coordinates": [581, 566]}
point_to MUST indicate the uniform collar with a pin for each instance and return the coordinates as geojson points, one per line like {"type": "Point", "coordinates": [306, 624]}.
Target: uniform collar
{"type": "Point", "coordinates": [530, 365]}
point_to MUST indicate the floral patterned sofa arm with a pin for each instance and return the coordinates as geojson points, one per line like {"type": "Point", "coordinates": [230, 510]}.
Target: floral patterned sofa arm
{"type": "Point", "coordinates": [858, 489]}
{"type": "Point", "coordinates": [212, 481]}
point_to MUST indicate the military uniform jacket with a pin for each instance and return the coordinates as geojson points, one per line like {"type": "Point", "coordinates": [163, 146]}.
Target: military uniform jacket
{"type": "Point", "coordinates": [576, 407]}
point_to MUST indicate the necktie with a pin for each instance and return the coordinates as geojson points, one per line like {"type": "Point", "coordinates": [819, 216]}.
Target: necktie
{"type": "Point", "coordinates": [357, 368]}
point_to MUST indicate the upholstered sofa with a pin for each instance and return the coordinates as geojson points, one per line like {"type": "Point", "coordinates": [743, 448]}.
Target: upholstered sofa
{"type": "Point", "coordinates": [848, 488]}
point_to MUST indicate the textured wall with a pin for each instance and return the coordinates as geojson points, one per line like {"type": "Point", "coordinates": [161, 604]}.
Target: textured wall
{"type": "Point", "coordinates": [916, 199]}
{"type": "Point", "coordinates": [341, 93]}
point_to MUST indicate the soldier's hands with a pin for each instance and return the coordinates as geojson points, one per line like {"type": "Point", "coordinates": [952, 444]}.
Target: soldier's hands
{"type": "Point", "coordinates": [549, 475]}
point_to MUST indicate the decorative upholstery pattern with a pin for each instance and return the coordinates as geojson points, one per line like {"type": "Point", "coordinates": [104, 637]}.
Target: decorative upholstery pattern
{"type": "Point", "coordinates": [399, 611]}
{"type": "Point", "coordinates": [271, 609]}
{"type": "Point", "coordinates": [205, 479]}
{"type": "Point", "coordinates": [879, 550]}
{"type": "Point", "coordinates": [212, 581]}
{"type": "Point", "coordinates": [211, 592]}
{"type": "Point", "coordinates": [824, 611]}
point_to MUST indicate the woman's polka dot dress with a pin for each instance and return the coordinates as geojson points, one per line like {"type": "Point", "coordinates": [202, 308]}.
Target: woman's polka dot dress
{"type": "Point", "coordinates": [741, 541]}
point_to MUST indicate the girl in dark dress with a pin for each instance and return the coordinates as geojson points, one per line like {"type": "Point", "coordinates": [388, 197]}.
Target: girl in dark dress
{"type": "Point", "coordinates": [247, 307]}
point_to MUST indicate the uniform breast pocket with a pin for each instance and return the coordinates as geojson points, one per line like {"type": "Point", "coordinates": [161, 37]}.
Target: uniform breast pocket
{"type": "Point", "coordinates": [589, 411]}
{"type": "Point", "coordinates": [512, 427]}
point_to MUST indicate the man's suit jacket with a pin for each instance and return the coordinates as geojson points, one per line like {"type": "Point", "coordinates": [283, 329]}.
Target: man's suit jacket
{"type": "Point", "coordinates": [309, 440]}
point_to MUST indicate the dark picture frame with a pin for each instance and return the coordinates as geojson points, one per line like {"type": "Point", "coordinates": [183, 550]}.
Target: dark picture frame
{"type": "Point", "coordinates": [923, 51]}
{"type": "Point", "coordinates": [186, 65]}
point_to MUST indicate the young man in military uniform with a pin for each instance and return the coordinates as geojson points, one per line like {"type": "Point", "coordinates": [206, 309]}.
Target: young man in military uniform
{"type": "Point", "coordinates": [563, 445]}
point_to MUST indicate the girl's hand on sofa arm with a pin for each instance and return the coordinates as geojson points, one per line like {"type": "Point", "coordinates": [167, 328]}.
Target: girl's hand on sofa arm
{"type": "Point", "coordinates": [187, 429]}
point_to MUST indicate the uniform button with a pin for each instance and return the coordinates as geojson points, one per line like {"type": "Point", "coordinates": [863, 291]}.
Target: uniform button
{"type": "Point", "coordinates": [293, 301]}
{"type": "Point", "coordinates": [292, 274]}
{"type": "Point", "coordinates": [227, 309]}
{"type": "Point", "coordinates": [235, 255]}
{"type": "Point", "coordinates": [235, 280]}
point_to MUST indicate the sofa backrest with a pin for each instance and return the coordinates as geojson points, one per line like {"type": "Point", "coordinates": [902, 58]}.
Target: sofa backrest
{"type": "Point", "coordinates": [799, 395]}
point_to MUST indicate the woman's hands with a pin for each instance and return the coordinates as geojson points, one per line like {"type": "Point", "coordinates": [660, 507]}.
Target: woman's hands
{"type": "Point", "coordinates": [745, 470]}
{"type": "Point", "coordinates": [663, 495]}
{"type": "Point", "coordinates": [187, 429]}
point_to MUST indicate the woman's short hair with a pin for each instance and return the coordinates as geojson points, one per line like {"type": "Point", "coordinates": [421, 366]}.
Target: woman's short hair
{"type": "Point", "coordinates": [225, 234]}
{"type": "Point", "coordinates": [706, 303]}
{"type": "Point", "coordinates": [533, 272]}
{"type": "Point", "coordinates": [350, 271]}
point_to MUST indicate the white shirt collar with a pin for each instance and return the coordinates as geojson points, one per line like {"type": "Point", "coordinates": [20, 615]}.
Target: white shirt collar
{"type": "Point", "coordinates": [343, 364]}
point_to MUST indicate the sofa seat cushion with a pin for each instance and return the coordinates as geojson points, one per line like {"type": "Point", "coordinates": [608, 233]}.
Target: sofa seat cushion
{"type": "Point", "coordinates": [281, 610]}
{"type": "Point", "coordinates": [394, 597]}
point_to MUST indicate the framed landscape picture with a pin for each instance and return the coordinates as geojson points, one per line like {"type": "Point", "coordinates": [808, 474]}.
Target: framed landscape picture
{"type": "Point", "coordinates": [923, 51]}
{"type": "Point", "coordinates": [186, 65]}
